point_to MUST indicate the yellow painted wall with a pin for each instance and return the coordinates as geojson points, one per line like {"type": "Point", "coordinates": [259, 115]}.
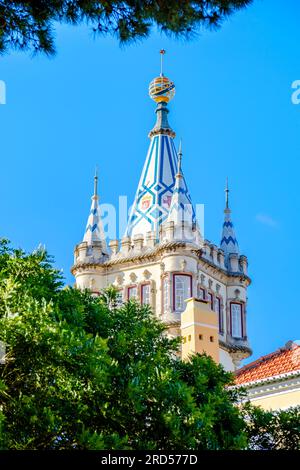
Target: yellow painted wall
{"type": "Point", "coordinates": [198, 319]}
{"type": "Point", "coordinates": [278, 401]}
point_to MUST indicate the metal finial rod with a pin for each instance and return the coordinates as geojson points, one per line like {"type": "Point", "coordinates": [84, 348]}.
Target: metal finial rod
{"type": "Point", "coordinates": [180, 147]}
{"type": "Point", "coordinates": [96, 182]}
{"type": "Point", "coordinates": [227, 194]}
{"type": "Point", "coordinates": [162, 53]}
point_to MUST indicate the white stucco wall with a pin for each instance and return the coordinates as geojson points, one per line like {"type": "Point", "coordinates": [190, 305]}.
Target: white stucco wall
{"type": "Point", "coordinates": [226, 361]}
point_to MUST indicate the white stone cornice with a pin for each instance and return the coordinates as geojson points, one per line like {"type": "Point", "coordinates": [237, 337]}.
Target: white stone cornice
{"type": "Point", "coordinates": [269, 380]}
{"type": "Point", "coordinates": [276, 387]}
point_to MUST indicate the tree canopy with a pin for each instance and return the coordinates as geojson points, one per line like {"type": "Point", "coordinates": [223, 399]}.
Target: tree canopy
{"type": "Point", "coordinates": [81, 373]}
{"type": "Point", "coordinates": [29, 25]}
{"type": "Point", "coordinates": [277, 430]}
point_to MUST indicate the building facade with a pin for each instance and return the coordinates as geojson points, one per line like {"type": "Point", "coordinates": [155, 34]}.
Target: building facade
{"type": "Point", "coordinates": [273, 381]}
{"type": "Point", "coordinates": [197, 288]}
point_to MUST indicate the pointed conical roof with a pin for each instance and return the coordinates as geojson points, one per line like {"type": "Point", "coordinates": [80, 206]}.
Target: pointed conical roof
{"type": "Point", "coordinates": [229, 242]}
{"type": "Point", "coordinates": [94, 229]}
{"type": "Point", "coordinates": [181, 209]}
{"type": "Point", "coordinates": [155, 190]}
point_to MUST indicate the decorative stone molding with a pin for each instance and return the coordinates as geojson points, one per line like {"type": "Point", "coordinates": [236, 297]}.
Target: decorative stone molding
{"type": "Point", "coordinates": [150, 239]}
{"type": "Point", "coordinates": [244, 264]}
{"type": "Point", "coordinates": [275, 383]}
{"type": "Point", "coordinates": [126, 245]}
{"type": "Point", "coordinates": [183, 265]}
{"type": "Point", "coordinates": [119, 279]}
{"type": "Point", "coordinates": [233, 348]}
{"type": "Point", "coordinates": [133, 277]}
{"type": "Point", "coordinates": [237, 294]}
{"type": "Point", "coordinates": [138, 242]}
{"type": "Point", "coordinates": [147, 274]}
{"type": "Point", "coordinates": [114, 246]}
{"type": "Point", "coordinates": [165, 131]}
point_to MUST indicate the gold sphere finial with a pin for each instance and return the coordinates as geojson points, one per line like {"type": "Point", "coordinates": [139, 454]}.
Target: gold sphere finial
{"type": "Point", "coordinates": [161, 89]}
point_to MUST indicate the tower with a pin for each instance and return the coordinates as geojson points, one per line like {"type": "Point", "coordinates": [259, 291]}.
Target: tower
{"type": "Point", "coordinates": [93, 248]}
{"type": "Point", "coordinates": [195, 287]}
{"type": "Point", "coordinates": [155, 189]}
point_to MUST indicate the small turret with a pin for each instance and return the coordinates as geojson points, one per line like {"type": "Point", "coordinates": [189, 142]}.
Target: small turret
{"type": "Point", "coordinates": [94, 229]}
{"type": "Point", "coordinates": [181, 215]}
{"type": "Point", "coordinates": [92, 251]}
{"type": "Point", "coordinates": [229, 242]}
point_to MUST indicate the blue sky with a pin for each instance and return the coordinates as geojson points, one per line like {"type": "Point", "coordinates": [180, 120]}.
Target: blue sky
{"type": "Point", "coordinates": [89, 105]}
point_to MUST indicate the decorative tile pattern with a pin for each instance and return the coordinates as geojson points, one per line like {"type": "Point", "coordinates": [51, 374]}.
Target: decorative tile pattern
{"type": "Point", "coordinates": [156, 186]}
{"type": "Point", "coordinates": [94, 230]}
{"type": "Point", "coordinates": [229, 242]}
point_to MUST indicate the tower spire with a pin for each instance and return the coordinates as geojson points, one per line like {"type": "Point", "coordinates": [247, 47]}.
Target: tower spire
{"type": "Point", "coordinates": [229, 242]}
{"type": "Point", "coordinates": [181, 209]}
{"type": "Point", "coordinates": [94, 229]}
{"type": "Point", "coordinates": [153, 198]}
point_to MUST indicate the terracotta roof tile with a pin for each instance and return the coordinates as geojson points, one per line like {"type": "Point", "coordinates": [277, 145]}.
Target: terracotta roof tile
{"type": "Point", "coordinates": [282, 361]}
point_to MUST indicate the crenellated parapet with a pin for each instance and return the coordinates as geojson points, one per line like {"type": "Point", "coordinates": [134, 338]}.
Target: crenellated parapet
{"type": "Point", "coordinates": [85, 253]}
{"type": "Point", "coordinates": [215, 256]}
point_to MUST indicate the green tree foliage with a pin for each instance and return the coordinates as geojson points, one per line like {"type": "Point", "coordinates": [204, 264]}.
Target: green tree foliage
{"type": "Point", "coordinates": [277, 430]}
{"type": "Point", "coordinates": [29, 25]}
{"type": "Point", "coordinates": [80, 373]}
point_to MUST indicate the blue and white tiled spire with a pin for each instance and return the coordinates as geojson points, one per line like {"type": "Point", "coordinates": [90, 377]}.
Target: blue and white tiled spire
{"type": "Point", "coordinates": [229, 242]}
{"type": "Point", "coordinates": [181, 213]}
{"type": "Point", "coordinates": [181, 210]}
{"type": "Point", "coordinates": [94, 229]}
{"type": "Point", "coordinates": [155, 190]}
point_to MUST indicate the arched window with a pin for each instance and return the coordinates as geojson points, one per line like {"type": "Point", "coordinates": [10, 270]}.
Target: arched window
{"type": "Point", "coordinates": [182, 285]}
{"type": "Point", "coordinates": [132, 292]}
{"type": "Point", "coordinates": [145, 294]}
{"type": "Point", "coordinates": [236, 320]}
